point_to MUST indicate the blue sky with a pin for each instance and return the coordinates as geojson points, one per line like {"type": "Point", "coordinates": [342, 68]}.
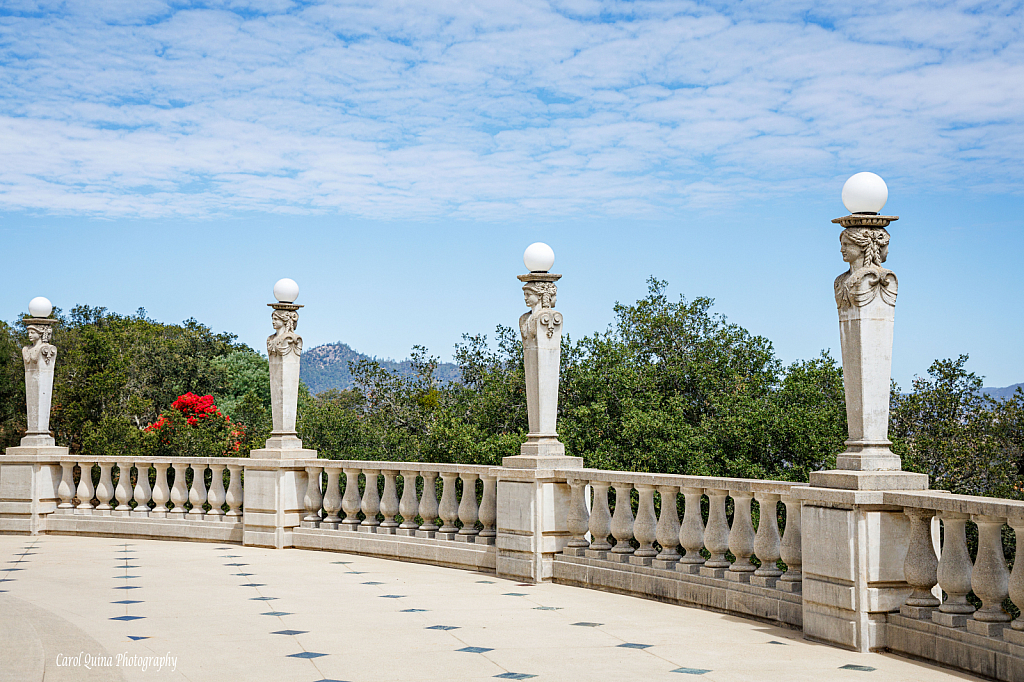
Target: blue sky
{"type": "Point", "coordinates": [395, 158]}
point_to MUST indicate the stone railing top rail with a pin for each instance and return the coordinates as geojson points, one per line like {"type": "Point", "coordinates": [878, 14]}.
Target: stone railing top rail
{"type": "Point", "coordinates": [751, 485]}
{"type": "Point", "coordinates": [134, 459]}
{"type": "Point", "coordinates": [963, 504]}
{"type": "Point", "coordinates": [377, 465]}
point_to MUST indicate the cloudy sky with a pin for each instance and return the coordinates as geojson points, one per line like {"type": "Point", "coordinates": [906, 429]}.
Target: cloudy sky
{"type": "Point", "coordinates": [396, 157]}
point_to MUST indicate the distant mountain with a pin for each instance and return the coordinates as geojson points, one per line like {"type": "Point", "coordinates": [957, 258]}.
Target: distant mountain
{"type": "Point", "coordinates": [327, 366]}
{"type": "Point", "coordinates": [1002, 393]}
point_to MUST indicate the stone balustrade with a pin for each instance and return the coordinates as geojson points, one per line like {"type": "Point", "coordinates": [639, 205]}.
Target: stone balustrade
{"type": "Point", "coordinates": [408, 499]}
{"type": "Point", "coordinates": [647, 540]}
{"type": "Point", "coordinates": [973, 621]}
{"type": "Point", "coordinates": [168, 488]}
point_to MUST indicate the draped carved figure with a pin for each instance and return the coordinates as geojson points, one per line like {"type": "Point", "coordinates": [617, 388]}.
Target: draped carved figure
{"type": "Point", "coordinates": [865, 249]}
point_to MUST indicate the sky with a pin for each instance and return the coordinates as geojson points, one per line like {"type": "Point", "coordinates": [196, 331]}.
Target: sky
{"type": "Point", "coordinates": [396, 158]}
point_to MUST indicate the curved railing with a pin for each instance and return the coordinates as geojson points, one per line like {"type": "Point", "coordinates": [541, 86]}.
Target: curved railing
{"type": "Point", "coordinates": [728, 544]}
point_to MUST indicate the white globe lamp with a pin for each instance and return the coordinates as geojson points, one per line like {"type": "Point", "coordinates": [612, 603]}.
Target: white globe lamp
{"type": "Point", "coordinates": [40, 307]}
{"type": "Point", "coordinates": [538, 257]}
{"type": "Point", "coordinates": [286, 290]}
{"type": "Point", "coordinates": [865, 193]}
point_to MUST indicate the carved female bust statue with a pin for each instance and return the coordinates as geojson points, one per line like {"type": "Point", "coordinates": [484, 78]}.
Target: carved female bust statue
{"type": "Point", "coordinates": [865, 249]}
{"type": "Point", "coordinates": [540, 297]}
{"type": "Point", "coordinates": [284, 340]}
{"type": "Point", "coordinates": [39, 336]}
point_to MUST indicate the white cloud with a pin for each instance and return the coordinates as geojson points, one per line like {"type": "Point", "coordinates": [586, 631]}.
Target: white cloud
{"type": "Point", "coordinates": [491, 110]}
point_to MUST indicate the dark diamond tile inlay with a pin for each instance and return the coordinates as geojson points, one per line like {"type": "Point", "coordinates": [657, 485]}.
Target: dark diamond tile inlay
{"type": "Point", "coordinates": [589, 625]}
{"type": "Point", "coordinates": [393, 596]}
{"type": "Point", "coordinates": [861, 668]}
{"type": "Point", "coordinates": [346, 563]}
{"type": "Point", "coordinates": [373, 583]}
{"type": "Point", "coordinates": [128, 587]}
{"type": "Point", "coordinates": [276, 613]}
{"type": "Point", "coordinates": [475, 649]}
{"type": "Point", "coordinates": [306, 654]}
{"type": "Point", "coordinates": [135, 638]}
{"type": "Point", "coordinates": [691, 671]}
{"type": "Point", "coordinates": [774, 642]}
{"type": "Point", "coordinates": [290, 632]}
{"type": "Point", "coordinates": [236, 564]}
{"type": "Point", "coordinates": [442, 627]}
{"type": "Point", "coordinates": [515, 594]}
{"type": "Point", "coordinates": [486, 582]}
{"type": "Point", "coordinates": [634, 645]}
{"type": "Point", "coordinates": [253, 585]}
{"type": "Point", "coordinates": [128, 618]}
{"type": "Point", "coordinates": [262, 598]}
{"type": "Point", "coordinates": [413, 610]}
{"type": "Point", "coordinates": [127, 601]}
{"type": "Point", "coordinates": [514, 676]}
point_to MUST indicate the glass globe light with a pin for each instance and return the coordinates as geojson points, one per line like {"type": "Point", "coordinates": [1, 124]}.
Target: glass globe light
{"type": "Point", "coordinates": [865, 193]}
{"type": "Point", "coordinates": [286, 290]}
{"type": "Point", "coordinates": [40, 307]}
{"type": "Point", "coordinates": [538, 257]}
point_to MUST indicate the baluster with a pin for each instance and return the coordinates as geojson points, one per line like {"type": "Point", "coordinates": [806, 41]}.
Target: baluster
{"type": "Point", "coordinates": [691, 532]}
{"type": "Point", "coordinates": [716, 535]}
{"type": "Point", "coordinates": [161, 491]}
{"type": "Point", "coordinates": [578, 519]}
{"type": "Point", "coordinates": [179, 493]}
{"type": "Point", "coordinates": [954, 572]}
{"type": "Point", "coordinates": [234, 496]}
{"type": "Point", "coordinates": [389, 503]}
{"type": "Point", "coordinates": [488, 510]}
{"type": "Point", "coordinates": [197, 495]}
{"type": "Point", "coordinates": [449, 509]}
{"type": "Point", "coordinates": [428, 505]}
{"type": "Point", "coordinates": [741, 537]}
{"type": "Point", "coordinates": [217, 493]}
{"type": "Point", "coordinates": [600, 522]}
{"type": "Point", "coordinates": [792, 547]}
{"type": "Point", "coordinates": [645, 526]}
{"type": "Point", "coordinates": [371, 502]}
{"type": "Point", "coordinates": [66, 489]}
{"type": "Point", "coordinates": [312, 500]}
{"type": "Point", "coordinates": [142, 493]}
{"type": "Point", "coordinates": [85, 489]}
{"type": "Point", "coordinates": [920, 566]}
{"type": "Point", "coordinates": [468, 510]}
{"type": "Point", "coordinates": [105, 489]}
{"type": "Point", "coordinates": [123, 491]}
{"type": "Point", "coordinates": [668, 528]}
{"type": "Point", "coordinates": [990, 579]}
{"type": "Point", "coordinates": [622, 523]}
{"type": "Point", "coordinates": [767, 541]}
{"type": "Point", "coordinates": [1016, 584]}
{"type": "Point", "coordinates": [332, 499]}
{"type": "Point", "coordinates": [351, 502]}
{"type": "Point", "coordinates": [408, 506]}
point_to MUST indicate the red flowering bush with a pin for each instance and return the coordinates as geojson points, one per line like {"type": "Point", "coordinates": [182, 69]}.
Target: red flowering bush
{"type": "Point", "coordinates": [196, 427]}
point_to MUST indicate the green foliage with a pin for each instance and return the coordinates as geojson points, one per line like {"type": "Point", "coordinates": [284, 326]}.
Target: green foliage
{"type": "Point", "coordinates": [967, 442]}
{"type": "Point", "coordinates": [12, 388]}
{"type": "Point", "coordinates": [670, 387]}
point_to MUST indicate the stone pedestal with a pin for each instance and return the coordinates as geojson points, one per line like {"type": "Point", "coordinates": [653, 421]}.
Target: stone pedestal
{"type": "Point", "coordinates": [853, 556]}
{"type": "Point", "coordinates": [533, 510]}
{"type": "Point", "coordinates": [29, 477]}
{"type": "Point", "coordinates": [274, 498]}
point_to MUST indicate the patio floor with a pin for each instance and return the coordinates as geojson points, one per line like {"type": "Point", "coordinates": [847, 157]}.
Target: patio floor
{"type": "Point", "coordinates": [244, 613]}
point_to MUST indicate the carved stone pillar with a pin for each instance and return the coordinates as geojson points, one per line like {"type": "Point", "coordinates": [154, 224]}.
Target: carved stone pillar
{"type": "Point", "coordinates": [275, 491]}
{"type": "Point", "coordinates": [528, 540]}
{"type": "Point", "coordinates": [866, 300]}
{"type": "Point", "coordinates": [31, 472]}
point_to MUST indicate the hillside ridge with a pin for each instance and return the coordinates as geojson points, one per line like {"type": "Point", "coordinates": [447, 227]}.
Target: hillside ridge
{"type": "Point", "coordinates": [326, 367]}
